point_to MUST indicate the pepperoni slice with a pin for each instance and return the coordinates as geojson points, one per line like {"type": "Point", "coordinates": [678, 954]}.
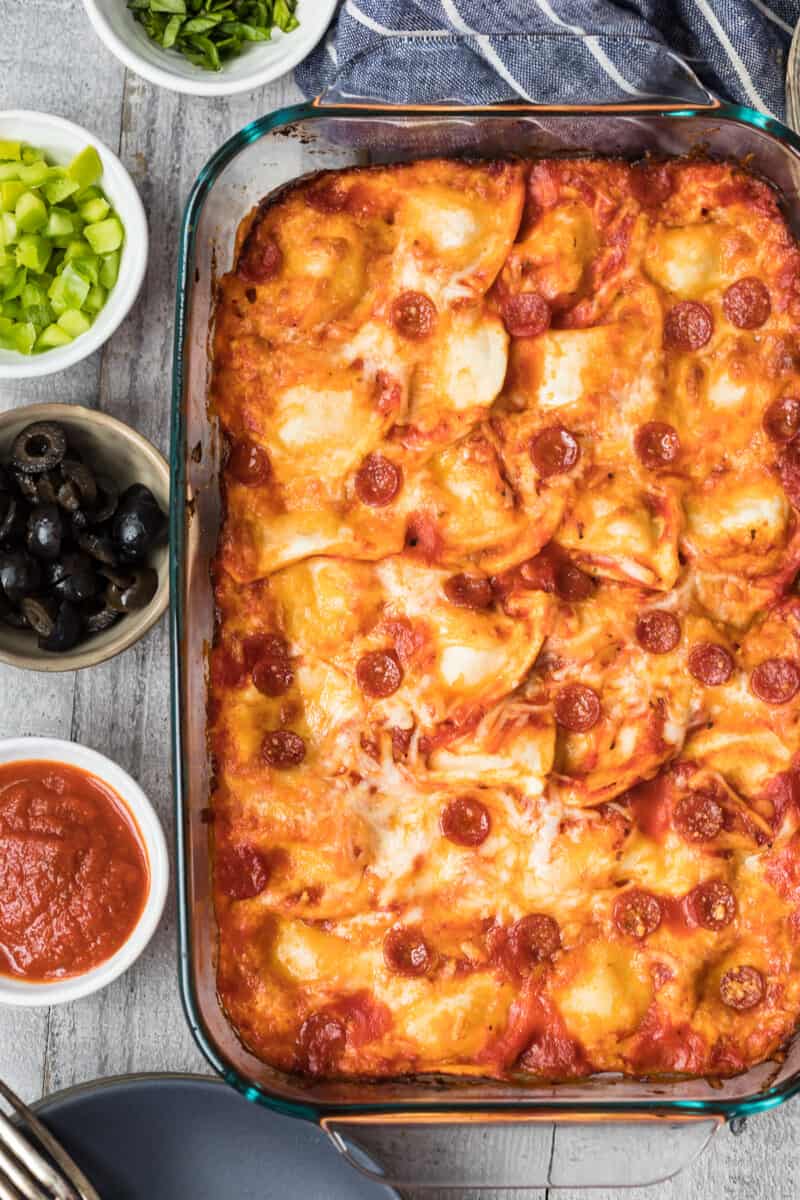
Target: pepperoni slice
{"type": "Point", "coordinates": [657, 444]}
{"type": "Point", "coordinates": [710, 664]}
{"type": "Point", "coordinates": [378, 480]}
{"type": "Point", "coordinates": [776, 680]}
{"type": "Point", "coordinates": [321, 1042]}
{"type": "Point", "coordinates": [572, 583]}
{"type": "Point", "coordinates": [526, 314]}
{"type": "Point", "coordinates": [698, 817]}
{"type": "Point", "coordinates": [261, 260]}
{"type": "Point", "coordinates": [249, 464]}
{"type": "Point", "coordinates": [713, 904]}
{"type": "Point", "coordinates": [577, 708]}
{"type": "Point", "coordinates": [242, 872]}
{"type": "Point", "coordinates": [379, 673]}
{"type": "Point", "coordinates": [465, 821]}
{"type": "Point", "coordinates": [283, 748]}
{"type": "Point", "coordinates": [637, 913]}
{"type": "Point", "coordinates": [746, 303]}
{"type": "Point", "coordinates": [272, 673]}
{"type": "Point", "coordinates": [406, 952]}
{"type": "Point", "coordinates": [534, 939]}
{"type": "Point", "coordinates": [789, 470]}
{"type": "Point", "coordinates": [688, 326]}
{"type": "Point", "coordinates": [414, 315]}
{"type": "Point", "coordinates": [782, 419]}
{"type": "Point", "coordinates": [554, 451]}
{"type": "Point", "coordinates": [658, 631]}
{"type": "Point", "coordinates": [469, 591]}
{"type": "Point", "coordinates": [742, 988]}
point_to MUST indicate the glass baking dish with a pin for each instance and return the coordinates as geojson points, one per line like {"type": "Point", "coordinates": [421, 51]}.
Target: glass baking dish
{"type": "Point", "coordinates": [658, 1124]}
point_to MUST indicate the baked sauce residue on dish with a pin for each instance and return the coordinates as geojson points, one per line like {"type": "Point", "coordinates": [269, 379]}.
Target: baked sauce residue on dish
{"type": "Point", "coordinates": [73, 871]}
{"type": "Point", "coordinates": [505, 691]}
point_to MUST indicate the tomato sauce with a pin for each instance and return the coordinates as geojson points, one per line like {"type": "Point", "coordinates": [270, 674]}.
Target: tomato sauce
{"type": "Point", "coordinates": [73, 871]}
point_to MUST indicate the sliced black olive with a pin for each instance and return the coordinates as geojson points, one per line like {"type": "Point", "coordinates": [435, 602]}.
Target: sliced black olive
{"type": "Point", "coordinates": [54, 572]}
{"type": "Point", "coordinates": [15, 524]}
{"type": "Point", "coordinates": [119, 575]}
{"type": "Point", "coordinates": [66, 630]}
{"type": "Point", "coordinates": [28, 486]}
{"type": "Point", "coordinates": [137, 522]}
{"type": "Point", "coordinates": [45, 531]}
{"type": "Point", "coordinates": [81, 476]}
{"type": "Point", "coordinates": [12, 616]}
{"type": "Point", "coordinates": [5, 481]}
{"type": "Point", "coordinates": [137, 594]}
{"type": "Point", "coordinates": [106, 504]}
{"type": "Point", "coordinates": [37, 489]}
{"type": "Point", "coordinates": [40, 613]}
{"type": "Point", "coordinates": [99, 545]}
{"type": "Point", "coordinates": [20, 574]}
{"type": "Point", "coordinates": [39, 447]}
{"type": "Point", "coordinates": [69, 496]}
{"type": "Point", "coordinates": [8, 513]}
{"type": "Point", "coordinates": [76, 579]}
{"type": "Point", "coordinates": [79, 522]}
{"type": "Point", "coordinates": [46, 488]}
{"type": "Point", "coordinates": [97, 616]}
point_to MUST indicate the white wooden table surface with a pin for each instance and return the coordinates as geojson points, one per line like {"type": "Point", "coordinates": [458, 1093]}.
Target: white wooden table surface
{"type": "Point", "coordinates": [50, 59]}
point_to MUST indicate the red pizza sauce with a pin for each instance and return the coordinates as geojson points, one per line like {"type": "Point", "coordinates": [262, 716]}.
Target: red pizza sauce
{"type": "Point", "coordinates": [73, 871]}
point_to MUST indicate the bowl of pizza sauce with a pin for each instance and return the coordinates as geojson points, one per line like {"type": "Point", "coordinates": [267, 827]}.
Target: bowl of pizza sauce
{"type": "Point", "coordinates": [83, 871]}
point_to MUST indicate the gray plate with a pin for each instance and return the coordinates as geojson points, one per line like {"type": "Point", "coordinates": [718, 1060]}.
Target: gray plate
{"type": "Point", "coordinates": [185, 1137]}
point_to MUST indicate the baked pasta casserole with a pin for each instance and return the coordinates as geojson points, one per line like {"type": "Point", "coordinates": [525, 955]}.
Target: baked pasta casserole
{"type": "Point", "coordinates": [505, 688]}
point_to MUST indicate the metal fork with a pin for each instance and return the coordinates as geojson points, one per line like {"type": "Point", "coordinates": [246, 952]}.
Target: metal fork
{"type": "Point", "coordinates": [25, 1172]}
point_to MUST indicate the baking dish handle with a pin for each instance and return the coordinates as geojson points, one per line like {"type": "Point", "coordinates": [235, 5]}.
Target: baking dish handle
{"type": "Point", "coordinates": [427, 67]}
{"type": "Point", "coordinates": [513, 1150]}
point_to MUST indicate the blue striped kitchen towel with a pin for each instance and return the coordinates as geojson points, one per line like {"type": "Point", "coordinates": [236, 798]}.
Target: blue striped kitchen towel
{"type": "Point", "coordinates": [551, 51]}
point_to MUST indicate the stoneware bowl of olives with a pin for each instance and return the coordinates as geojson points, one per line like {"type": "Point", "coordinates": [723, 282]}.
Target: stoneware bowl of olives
{"type": "Point", "coordinates": [84, 560]}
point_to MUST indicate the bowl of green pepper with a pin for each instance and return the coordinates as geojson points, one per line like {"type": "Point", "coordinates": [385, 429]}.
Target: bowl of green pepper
{"type": "Point", "coordinates": [210, 47]}
{"type": "Point", "coordinates": [73, 243]}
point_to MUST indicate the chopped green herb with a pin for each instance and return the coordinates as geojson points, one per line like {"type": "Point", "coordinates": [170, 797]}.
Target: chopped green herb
{"type": "Point", "coordinates": [60, 246]}
{"type": "Point", "coordinates": [209, 32]}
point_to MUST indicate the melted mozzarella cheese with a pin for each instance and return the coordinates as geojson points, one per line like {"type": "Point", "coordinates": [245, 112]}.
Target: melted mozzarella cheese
{"type": "Point", "coordinates": [723, 392]}
{"type": "Point", "coordinates": [474, 364]}
{"type": "Point", "coordinates": [746, 513]}
{"type": "Point", "coordinates": [606, 995]}
{"type": "Point", "coordinates": [568, 359]}
{"type": "Point", "coordinates": [308, 416]}
{"type": "Point", "coordinates": [684, 260]}
{"type": "Point", "coordinates": [464, 666]}
{"type": "Point", "coordinates": [440, 218]}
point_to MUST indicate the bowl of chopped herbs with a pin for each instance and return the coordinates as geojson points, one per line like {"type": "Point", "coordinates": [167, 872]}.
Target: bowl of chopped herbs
{"type": "Point", "coordinates": [210, 47]}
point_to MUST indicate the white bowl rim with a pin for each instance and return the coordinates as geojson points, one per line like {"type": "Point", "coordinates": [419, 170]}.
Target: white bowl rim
{"type": "Point", "coordinates": [123, 294]}
{"type": "Point", "coordinates": [21, 992]}
{"type": "Point", "coordinates": [200, 86]}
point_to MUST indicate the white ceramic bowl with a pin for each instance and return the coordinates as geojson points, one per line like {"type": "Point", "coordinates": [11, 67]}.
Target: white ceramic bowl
{"type": "Point", "coordinates": [19, 991]}
{"type": "Point", "coordinates": [259, 62]}
{"type": "Point", "coordinates": [62, 140]}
